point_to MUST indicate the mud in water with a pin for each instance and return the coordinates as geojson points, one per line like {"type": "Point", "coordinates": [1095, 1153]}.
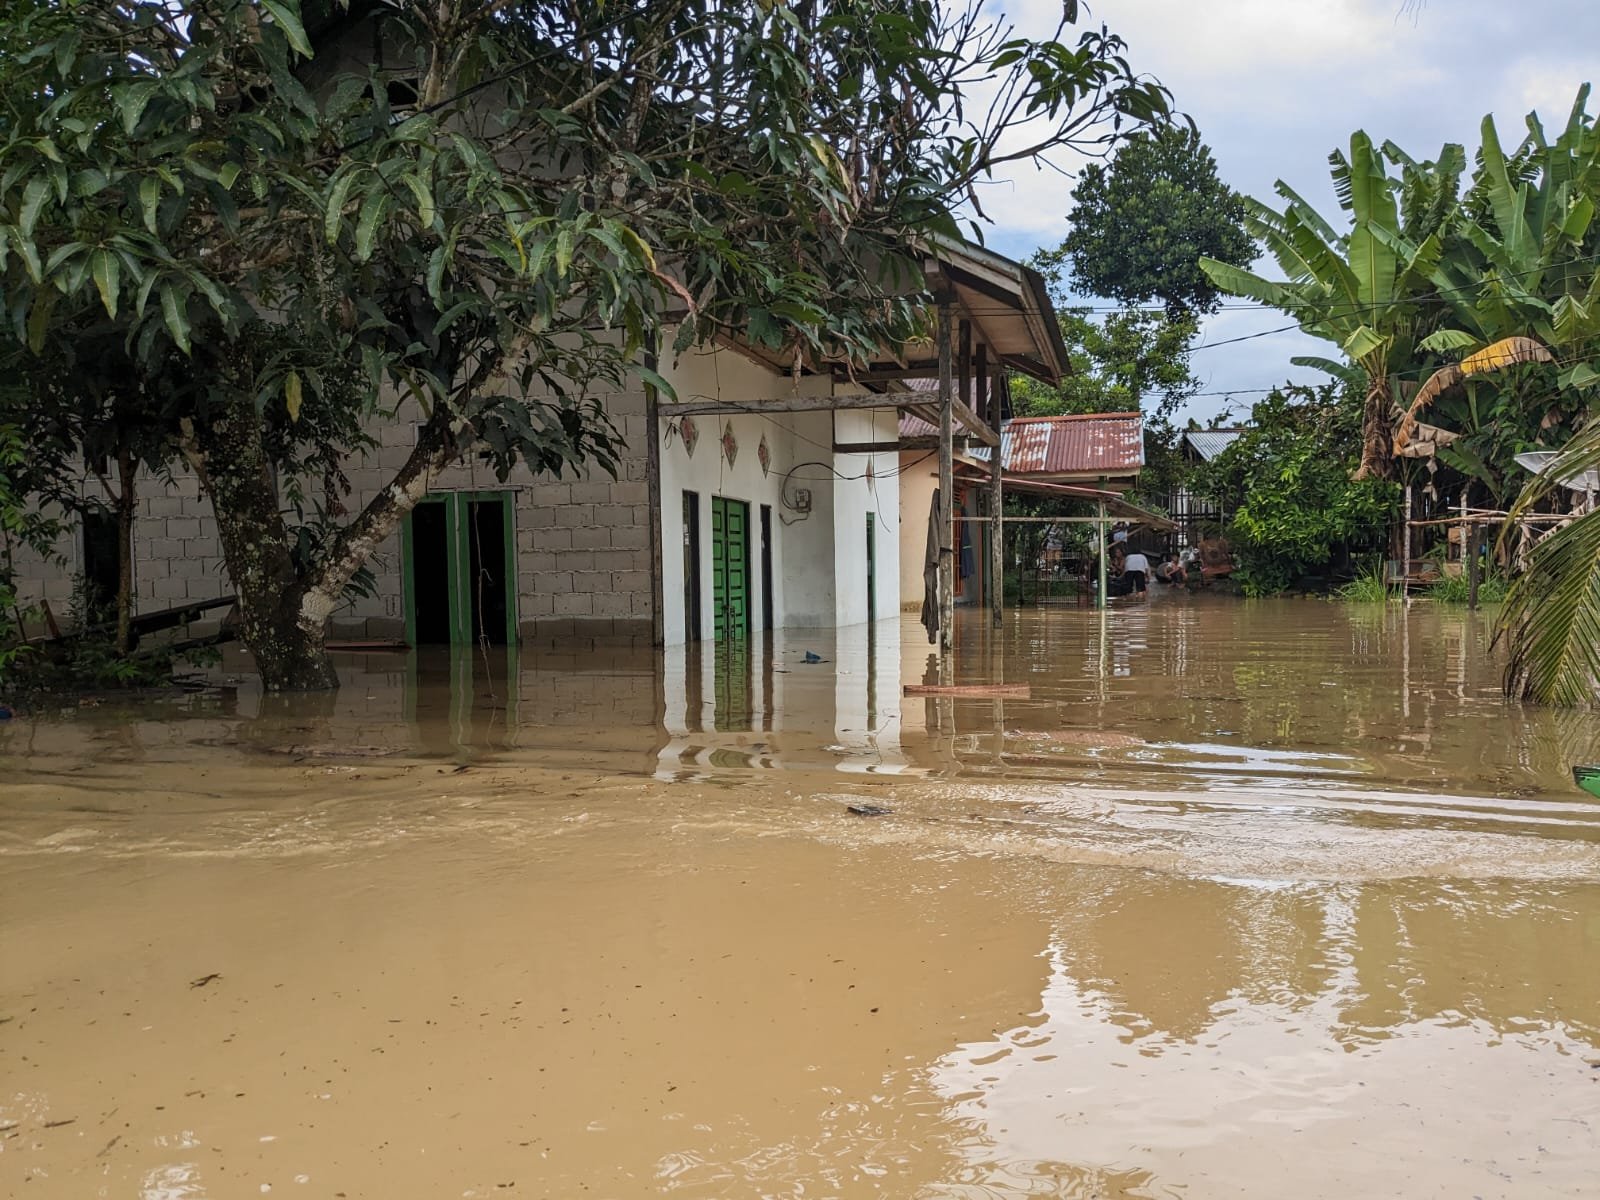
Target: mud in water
{"type": "Point", "coordinates": [1246, 900]}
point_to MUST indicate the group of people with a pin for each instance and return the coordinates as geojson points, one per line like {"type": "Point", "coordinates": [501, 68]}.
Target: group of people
{"type": "Point", "coordinates": [1129, 571]}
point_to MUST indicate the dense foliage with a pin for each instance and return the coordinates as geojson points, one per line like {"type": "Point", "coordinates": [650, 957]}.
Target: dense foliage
{"type": "Point", "coordinates": [480, 216]}
{"type": "Point", "coordinates": [1288, 481]}
{"type": "Point", "coordinates": [1142, 223]}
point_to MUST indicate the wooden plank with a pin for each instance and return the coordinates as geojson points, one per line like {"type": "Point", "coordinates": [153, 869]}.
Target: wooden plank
{"type": "Point", "coordinates": [858, 400]}
{"type": "Point", "coordinates": [906, 443]}
{"type": "Point", "coordinates": [1006, 691]}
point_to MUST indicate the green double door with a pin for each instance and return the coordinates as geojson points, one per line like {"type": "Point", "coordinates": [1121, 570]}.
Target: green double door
{"type": "Point", "coordinates": [730, 568]}
{"type": "Point", "coordinates": [460, 558]}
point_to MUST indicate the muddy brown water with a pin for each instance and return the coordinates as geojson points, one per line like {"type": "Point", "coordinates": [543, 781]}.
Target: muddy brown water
{"type": "Point", "coordinates": [1247, 900]}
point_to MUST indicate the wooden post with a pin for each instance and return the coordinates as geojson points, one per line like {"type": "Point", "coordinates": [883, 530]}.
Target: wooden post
{"type": "Point", "coordinates": [997, 529]}
{"type": "Point", "coordinates": [652, 473]}
{"type": "Point", "coordinates": [1405, 549]}
{"type": "Point", "coordinates": [947, 485]}
{"type": "Point", "coordinates": [1105, 551]}
{"type": "Point", "coordinates": [1469, 547]}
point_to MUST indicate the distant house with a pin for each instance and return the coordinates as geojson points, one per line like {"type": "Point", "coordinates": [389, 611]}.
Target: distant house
{"type": "Point", "coordinates": [1090, 456]}
{"type": "Point", "coordinates": [1195, 513]}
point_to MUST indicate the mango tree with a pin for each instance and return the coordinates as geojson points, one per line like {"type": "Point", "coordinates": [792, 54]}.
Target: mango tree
{"type": "Point", "coordinates": [488, 218]}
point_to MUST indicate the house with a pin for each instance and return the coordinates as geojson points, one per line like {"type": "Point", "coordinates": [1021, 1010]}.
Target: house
{"type": "Point", "coordinates": [1196, 513]}
{"type": "Point", "coordinates": [758, 499]}
{"type": "Point", "coordinates": [1091, 457]}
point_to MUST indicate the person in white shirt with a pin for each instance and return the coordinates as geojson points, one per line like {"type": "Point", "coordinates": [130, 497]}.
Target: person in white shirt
{"type": "Point", "coordinates": [1135, 572]}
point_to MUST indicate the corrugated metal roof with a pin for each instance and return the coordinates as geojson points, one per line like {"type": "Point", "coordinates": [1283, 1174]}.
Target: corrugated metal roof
{"type": "Point", "coordinates": [1208, 443]}
{"type": "Point", "coordinates": [1091, 444]}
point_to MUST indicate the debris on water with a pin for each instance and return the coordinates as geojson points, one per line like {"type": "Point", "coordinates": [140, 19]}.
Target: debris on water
{"type": "Point", "coordinates": [868, 810]}
{"type": "Point", "coordinates": [205, 979]}
{"type": "Point", "coordinates": [813, 657]}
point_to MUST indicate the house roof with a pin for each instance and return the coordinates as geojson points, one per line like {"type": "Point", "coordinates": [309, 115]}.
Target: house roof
{"type": "Point", "coordinates": [1208, 443]}
{"type": "Point", "coordinates": [1088, 445]}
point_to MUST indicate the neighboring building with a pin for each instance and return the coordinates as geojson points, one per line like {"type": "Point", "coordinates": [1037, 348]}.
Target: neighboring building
{"type": "Point", "coordinates": [1084, 455]}
{"type": "Point", "coordinates": [1195, 513]}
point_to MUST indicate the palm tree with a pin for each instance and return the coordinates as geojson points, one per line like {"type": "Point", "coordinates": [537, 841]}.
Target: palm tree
{"type": "Point", "coordinates": [1358, 289]}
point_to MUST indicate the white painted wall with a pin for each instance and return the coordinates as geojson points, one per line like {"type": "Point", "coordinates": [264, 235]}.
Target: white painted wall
{"type": "Point", "coordinates": [819, 559]}
{"type": "Point", "coordinates": [919, 479]}
{"type": "Point", "coordinates": [865, 483]}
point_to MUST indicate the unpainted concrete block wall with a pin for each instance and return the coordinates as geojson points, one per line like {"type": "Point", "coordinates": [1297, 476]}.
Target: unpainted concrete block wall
{"type": "Point", "coordinates": [582, 542]}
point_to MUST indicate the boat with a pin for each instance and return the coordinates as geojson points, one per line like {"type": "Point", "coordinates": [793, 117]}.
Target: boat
{"type": "Point", "coordinates": [1588, 778]}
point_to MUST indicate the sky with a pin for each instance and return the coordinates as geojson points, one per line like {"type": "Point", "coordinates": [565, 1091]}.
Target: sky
{"type": "Point", "coordinates": [1276, 85]}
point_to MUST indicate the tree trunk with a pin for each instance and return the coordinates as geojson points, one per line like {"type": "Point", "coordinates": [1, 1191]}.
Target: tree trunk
{"type": "Point", "coordinates": [127, 504]}
{"type": "Point", "coordinates": [231, 460]}
{"type": "Point", "coordinates": [1377, 447]}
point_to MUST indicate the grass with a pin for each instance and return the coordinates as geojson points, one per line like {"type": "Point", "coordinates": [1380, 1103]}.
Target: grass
{"type": "Point", "coordinates": [1454, 589]}
{"type": "Point", "coordinates": [1367, 588]}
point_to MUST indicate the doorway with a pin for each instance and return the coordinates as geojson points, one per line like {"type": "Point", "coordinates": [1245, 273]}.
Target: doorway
{"type": "Point", "coordinates": [872, 567]}
{"type": "Point", "coordinates": [460, 570]}
{"type": "Point", "coordinates": [691, 566]}
{"type": "Point", "coordinates": [767, 622]}
{"type": "Point", "coordinates": [102, 561]}
{"type": "Point", "coordinates": [730, 568]}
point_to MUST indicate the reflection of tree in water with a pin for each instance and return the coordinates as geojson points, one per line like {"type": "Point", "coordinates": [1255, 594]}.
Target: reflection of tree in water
{"type": "Point", "coordinates": [1167, 953]}
{"type": "Point", "coordinates": [1170, 957]}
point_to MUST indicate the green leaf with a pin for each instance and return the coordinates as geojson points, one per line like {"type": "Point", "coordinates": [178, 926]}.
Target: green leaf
{"type": "Point", "coordinates": [39, 318]}
{"type": "Point", "coordinates": [227, 173]}
{"type": "Point", "coordinates": [563, 252]}
{"type": "Point", "coordinates": [1579, 375]}
{"type": "Point", "coordinates": [424, 199]}
{"type": "Point", "coordinates": [150, 200]}
{"type": "Point", "coordinates": [174, 310]}
{"type": "Point", "coordinates": [288, 21]}
{"type": "Point", "coordinates": [1364, 341]}
{"type": "Point", "coordinates": [333, 216]}
{"type": "Point", "coordinates": [107, 272]}
{"type": "Point", "coordinates": [33, 198]}
{"type": "Point", "coordinates": [372, 212]}
{"type": "Point", "coordinates": [292, 395]}
{"type": "Point", "coordinates": [1449, 339]}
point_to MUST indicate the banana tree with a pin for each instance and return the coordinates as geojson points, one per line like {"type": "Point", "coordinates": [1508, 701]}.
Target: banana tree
{"type": "Point", "coordinates": [1361, 288]}
{"type": "Point", "coordinates": [1519, 263]}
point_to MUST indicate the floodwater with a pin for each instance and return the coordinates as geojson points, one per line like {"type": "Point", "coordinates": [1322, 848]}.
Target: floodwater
{"type": "Point", "coordinates": [1246, 900]}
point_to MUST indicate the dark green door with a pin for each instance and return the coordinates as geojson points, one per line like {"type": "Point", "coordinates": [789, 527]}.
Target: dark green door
{"type": "Point", "coordinates": [460, 569]}
{"type": "Point", "coordinates": [730, 568]}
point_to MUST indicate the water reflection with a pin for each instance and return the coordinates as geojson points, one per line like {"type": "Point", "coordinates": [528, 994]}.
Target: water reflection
{"type": "Point", "coordinates": [1191, 1032]}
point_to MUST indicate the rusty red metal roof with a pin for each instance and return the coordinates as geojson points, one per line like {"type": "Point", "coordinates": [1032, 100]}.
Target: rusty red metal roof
{"type": "Point", "coordinates": [1090, 444]}
{"type": "Point", "coordinates": [1086, 445]}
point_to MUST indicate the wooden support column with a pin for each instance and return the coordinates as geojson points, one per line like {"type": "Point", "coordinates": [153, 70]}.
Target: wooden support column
{"type": "Point", "coordinates": [947, 485]}
{"type": "Point", "coordinates": [1469, 547]}
{"type": "Point", "coordinates": [1105, 550]}
{"type": "Point", "coordinates": [997, 532]}
{"type": "Point", "coordinates": [652, 471]}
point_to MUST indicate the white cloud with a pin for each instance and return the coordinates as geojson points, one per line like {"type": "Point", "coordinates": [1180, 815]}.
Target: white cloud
{"type": "Point", "coordinates": [1275, 85]}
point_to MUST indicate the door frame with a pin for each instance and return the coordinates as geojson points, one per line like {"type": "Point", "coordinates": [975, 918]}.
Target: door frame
{"type": "Point", "coordinates": [458, 563]}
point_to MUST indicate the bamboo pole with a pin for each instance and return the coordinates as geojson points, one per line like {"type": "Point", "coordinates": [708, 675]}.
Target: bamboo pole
{"type": "Point", "coordinates": [997, 536]}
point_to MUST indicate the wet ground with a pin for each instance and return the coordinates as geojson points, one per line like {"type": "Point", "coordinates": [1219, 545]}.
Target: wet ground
{"type": "Point", "coordinates": [1247, 900]}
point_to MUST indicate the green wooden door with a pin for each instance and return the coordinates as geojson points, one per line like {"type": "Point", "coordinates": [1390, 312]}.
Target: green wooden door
{"type": "Point", "coordinates": [459, 563]}
{"type": "Point", "coordinates": [730, 568]}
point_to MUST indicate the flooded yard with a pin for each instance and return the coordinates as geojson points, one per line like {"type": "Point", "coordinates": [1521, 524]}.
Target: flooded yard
{"type": "Point", "coordinates": [1246, 900]}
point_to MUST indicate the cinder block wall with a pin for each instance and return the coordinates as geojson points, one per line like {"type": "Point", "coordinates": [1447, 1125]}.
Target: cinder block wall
{"type": "Point", "coordinates": [582, 543]}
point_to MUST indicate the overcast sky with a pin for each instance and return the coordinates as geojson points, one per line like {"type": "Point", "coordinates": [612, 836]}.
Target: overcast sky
{"type": "Point", "coordinates": [1275, 85]}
